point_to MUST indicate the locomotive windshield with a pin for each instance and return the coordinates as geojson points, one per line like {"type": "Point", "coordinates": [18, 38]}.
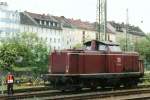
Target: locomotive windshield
{"type": "Point", "coordinates": [114, 48]}
{"type": "Point", "coordinates": [88, 47]}
{"type": "Point", "coordinates": [102, 47]}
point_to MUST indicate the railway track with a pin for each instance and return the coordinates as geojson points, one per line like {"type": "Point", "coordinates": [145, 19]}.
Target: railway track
{"type": "Point", "coordinates": [84, 94]}
{"type": "Point", "coordinates": [133, 94]}
{"type": "Point", "coordinates": [29, 89]}
{"type": "Point", "coordinates": [114, 95]}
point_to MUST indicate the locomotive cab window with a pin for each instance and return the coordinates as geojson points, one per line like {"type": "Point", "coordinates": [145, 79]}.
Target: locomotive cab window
{"type": "Point", "coordinates": [115, 48]}
{"type": "Point", "coordinates": [102, 48]}
{"type": "Point", "coordinates": [88, 47]}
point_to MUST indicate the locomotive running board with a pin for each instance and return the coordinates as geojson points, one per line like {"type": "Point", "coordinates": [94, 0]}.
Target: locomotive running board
{"type": "Point", "coordinates": [98, 74]}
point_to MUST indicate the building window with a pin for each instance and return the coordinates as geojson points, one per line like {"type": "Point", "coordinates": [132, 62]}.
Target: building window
{"type": "Point", "coordinates": [24, 29]}
{"type": "Point", "coordinates": [58, 48]}
{"type": "Point", "coordinates": [55, 32]}
{"type": "Point", "coordinates": [57, 25]}
{"type": "Point", "coordinates": [42, 30]}
{"type": "Point", "coordinates": [59, 31]}
{"type": "Point", "coordinates": [40, 22]}
{"type": "Point", "coordinates": [83, 36]}
{"type": "Point", "coordinates": [49, 23]}
{"type": "Point", "coordinates": [50, 39]}
{"type": "Point", "coordinates": [30, 29]}
{"type": "Point", "coordinates": [37, 30]}
{"type": "Point", "coordinates": [58, 40]}
{"type": "Point", "coordinates": [27, 28]}
{"type": "Point", "coordinates": [67, 42]}
{"type": "Point", "coordinates": [54, 40]}
{"type": "Point", "coordinates": [54, 24]}
{"type": "Point", "coordinates": [45, 23]}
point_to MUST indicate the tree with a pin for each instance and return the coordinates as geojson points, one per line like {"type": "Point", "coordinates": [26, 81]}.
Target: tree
{"type": "Point", "coordinates": [24, 50]}
{"type": "Point", "coordinates": [8, 54]}
{"type": "Point", "coordinates": [143, 47]}
{"type": "Point", "coordinates": [126, 45]}
{"type": "Point", "coordinates": [78, 46]}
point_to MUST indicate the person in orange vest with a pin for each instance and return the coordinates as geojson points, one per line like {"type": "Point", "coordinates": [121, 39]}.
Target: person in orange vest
{"type": "Point", "coordinates": [10, 82]}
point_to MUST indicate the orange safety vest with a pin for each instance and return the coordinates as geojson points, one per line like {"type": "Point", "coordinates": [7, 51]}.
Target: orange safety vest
{"type": "Point", "coordinates": [10, 79]}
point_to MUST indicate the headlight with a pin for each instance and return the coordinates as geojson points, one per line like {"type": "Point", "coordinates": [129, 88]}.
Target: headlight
{"type": "Point", "coordinates": [67, 69]}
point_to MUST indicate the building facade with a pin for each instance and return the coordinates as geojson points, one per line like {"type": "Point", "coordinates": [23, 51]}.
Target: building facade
{"type": "Point", "coordinates": [9, 21]}
{"type": "Point", "coordinates": [46, 27]}
{"type": "Point", "coordinates": [127, 34]}
{"type": "Point", "coordinates": [60, 32]}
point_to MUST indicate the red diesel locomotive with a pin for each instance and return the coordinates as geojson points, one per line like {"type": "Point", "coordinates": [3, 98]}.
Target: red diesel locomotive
{"type": "Point", "coordinates": [98, 64]}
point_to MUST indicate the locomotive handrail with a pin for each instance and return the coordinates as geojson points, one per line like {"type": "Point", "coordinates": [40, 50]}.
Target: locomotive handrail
{"type": "Point", "coordinates": [141, 66]}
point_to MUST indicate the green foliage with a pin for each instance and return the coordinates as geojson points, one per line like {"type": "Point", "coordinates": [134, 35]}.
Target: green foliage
{"type": "Point", "coordinates": [8, 54]}
{"type": "Point", "coordinates": [146, 78]}
{"type": "Point", "coordinates": [24, 49]}
{"type": "Point", "coordinates": [143, 47]}
{"type": "Point", "coordinates": [78, 46]}
{"type": "Point", "coordinates": [125, 45]}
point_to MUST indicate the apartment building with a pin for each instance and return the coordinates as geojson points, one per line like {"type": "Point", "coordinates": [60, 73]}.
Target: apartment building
{"type": "Point", "coordinates": [60, 32]}
{"type": "Point", "coordinates": [129, 32]}
{"type": "Point", "coordinates": [46, 27]}
{"type": "Point", "coordinates": [9, 21]}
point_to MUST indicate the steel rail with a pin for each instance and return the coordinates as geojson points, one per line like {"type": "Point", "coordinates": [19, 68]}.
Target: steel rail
{"type": "Point", "coordinates": [85, 93]}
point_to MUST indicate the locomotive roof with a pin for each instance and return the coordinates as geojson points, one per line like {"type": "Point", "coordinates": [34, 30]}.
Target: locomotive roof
{"type": "Point", "coordinates": [102, 43]}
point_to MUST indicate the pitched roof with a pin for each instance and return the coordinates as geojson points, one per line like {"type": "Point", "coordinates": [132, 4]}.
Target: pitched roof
{"type": "Point", "coordinates": [64, 21]}
{"type": "Point", "coordinates": [25, 19]}
{"type": "Point", "coordinates": [121, 27]}
{"type": "Point", "coordinates": [29, 18]}
{"type": "Point", "coordinates": [82, 25]}
{"type": "Point", "coordinates": [42, 16]}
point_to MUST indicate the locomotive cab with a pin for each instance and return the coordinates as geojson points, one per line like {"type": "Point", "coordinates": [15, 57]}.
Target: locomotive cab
{"type": "Point", "coordinates": [108, 46]}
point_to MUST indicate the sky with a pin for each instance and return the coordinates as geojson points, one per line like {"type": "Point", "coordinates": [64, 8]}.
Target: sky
{"type": "Point", "coordinates": [138, 10]}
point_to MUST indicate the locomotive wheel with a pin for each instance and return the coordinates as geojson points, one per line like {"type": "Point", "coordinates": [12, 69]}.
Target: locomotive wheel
{"type": "Point", "coordinates": [63, 90]}
{"type": "Point", "coordinates": [93, 86]}
{"type": "Point", "coordinates": [116, 86]}
{"type": "Point", "coordinates": [130, 85]}
{"type": "Point", "coordinates": [78, 89]}
{"type": "Point", "coordinates": [102, 87]}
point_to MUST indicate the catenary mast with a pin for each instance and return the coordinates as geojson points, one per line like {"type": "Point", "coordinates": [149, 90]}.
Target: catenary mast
{"type": "Point", "coordinates": [101, 19]}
